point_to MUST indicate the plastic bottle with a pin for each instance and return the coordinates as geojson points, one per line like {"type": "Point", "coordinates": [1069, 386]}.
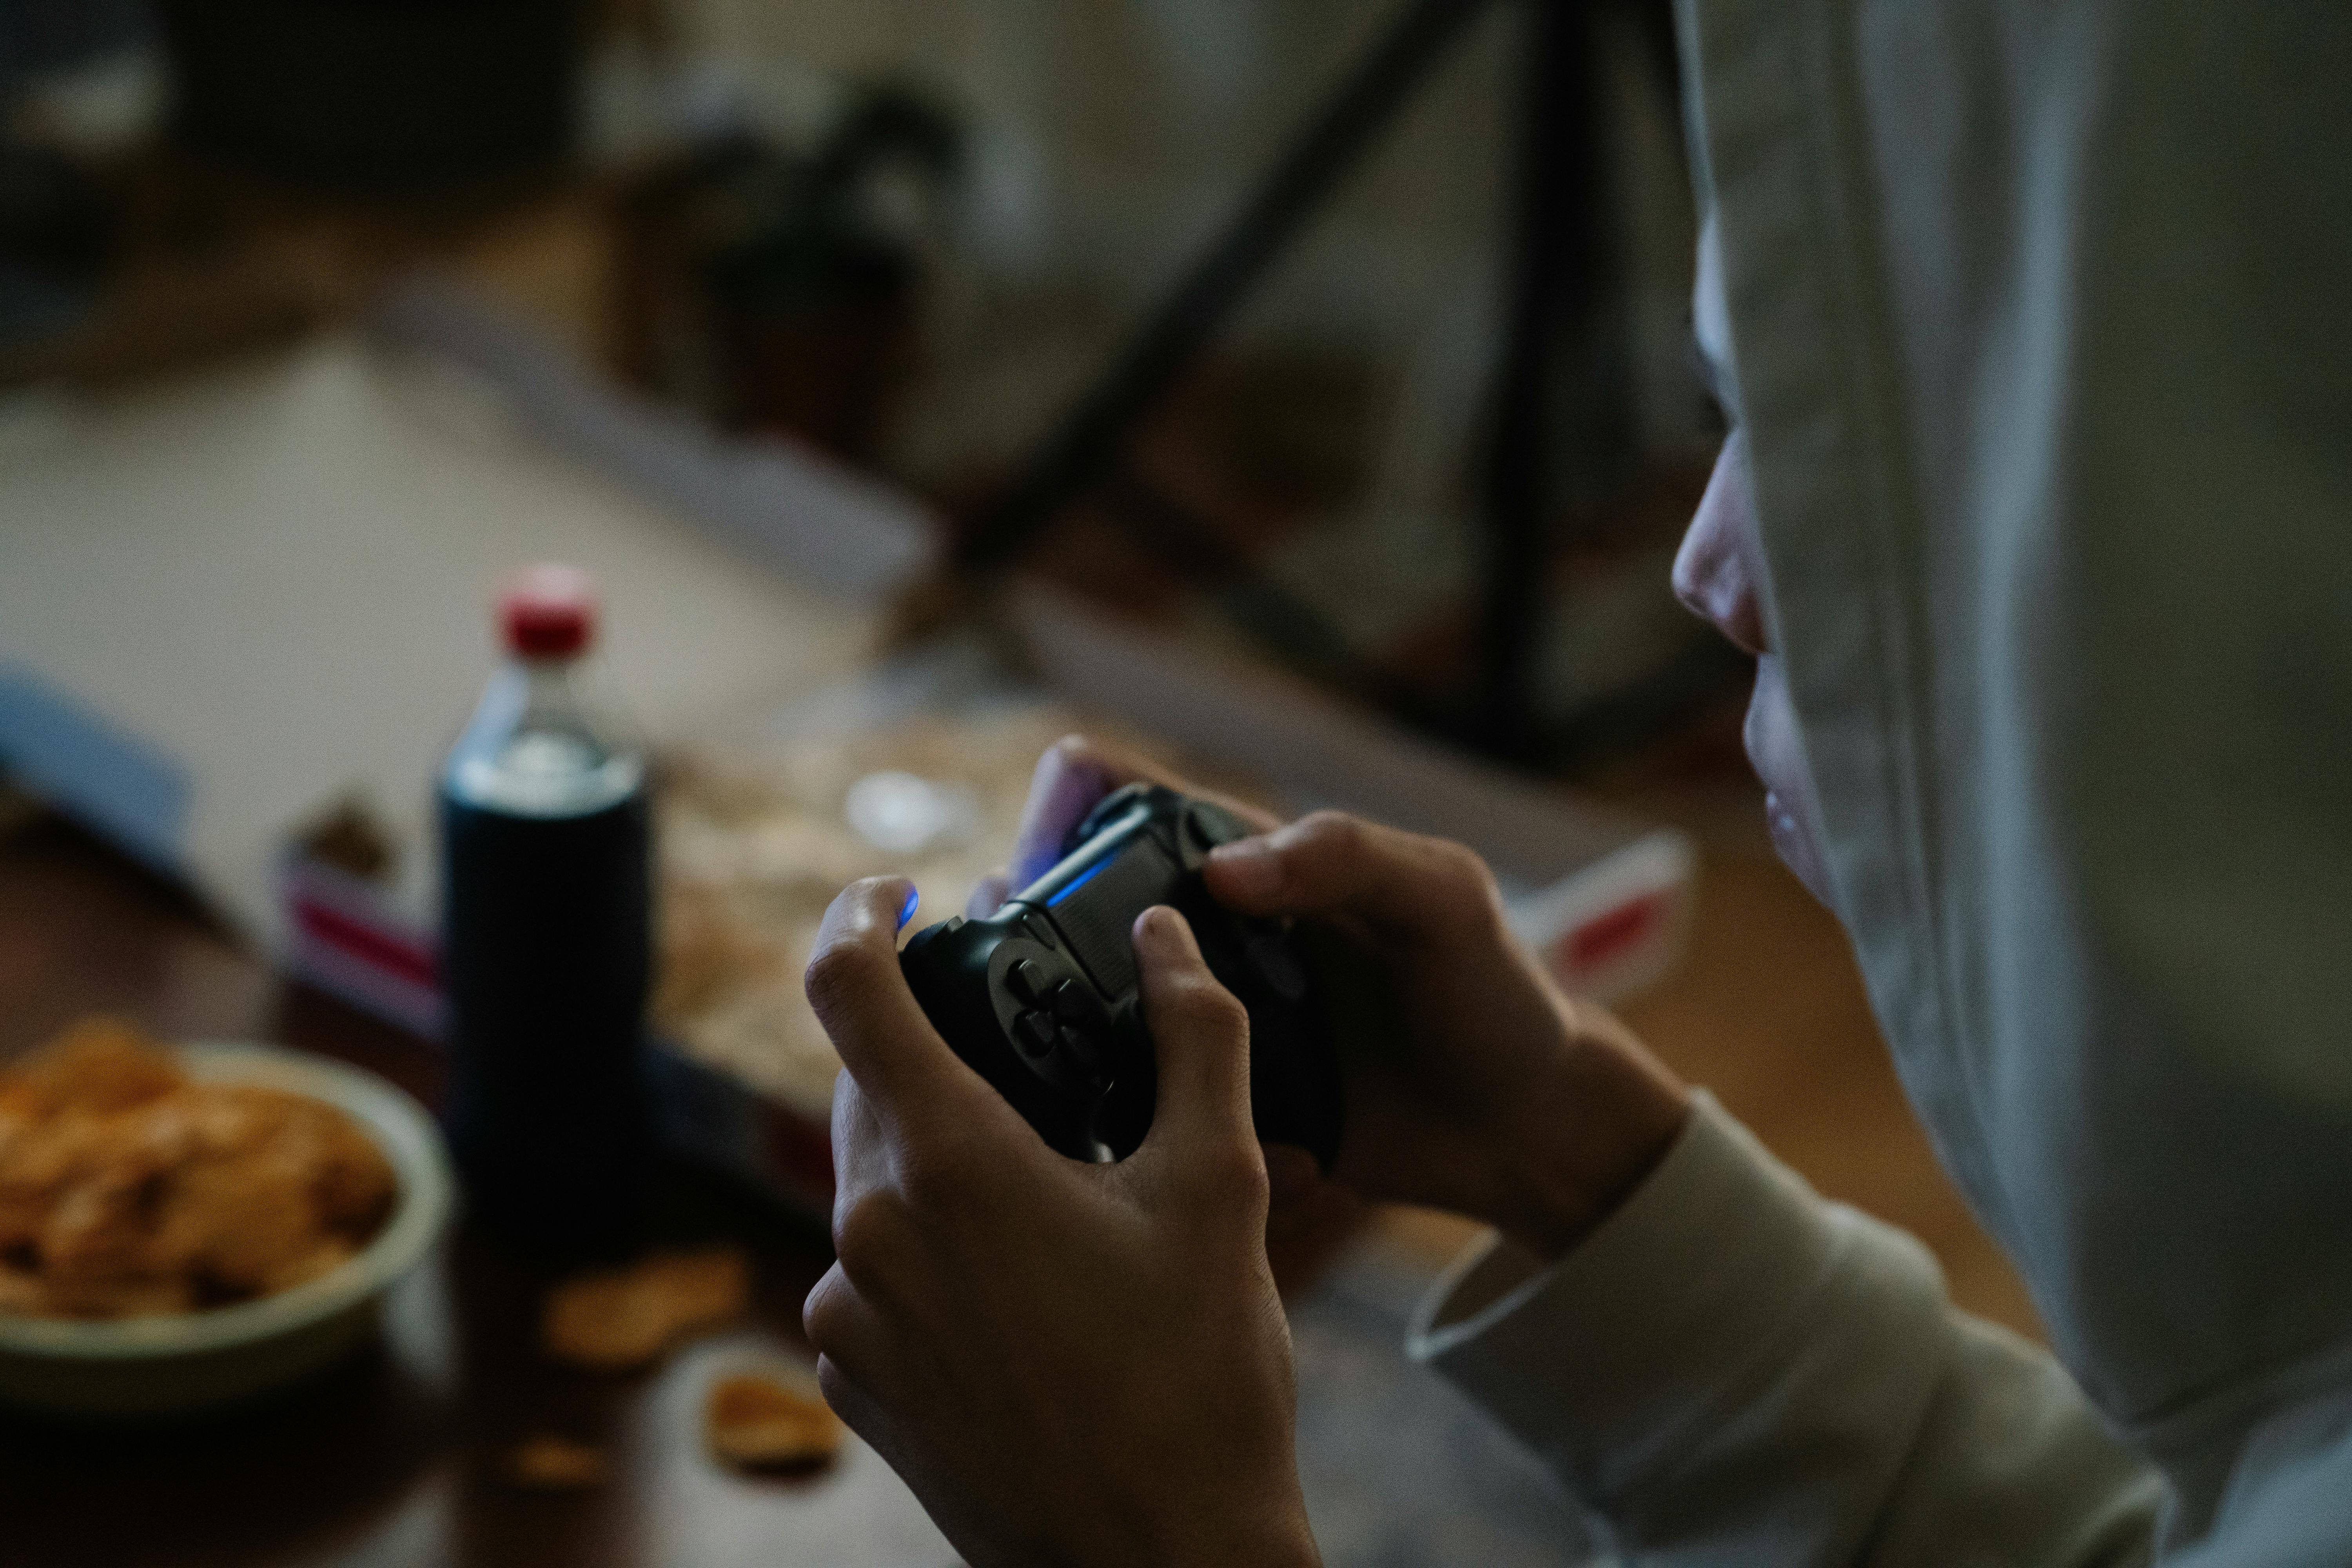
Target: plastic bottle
{"type": "Point", "coordinates": [546, 937]}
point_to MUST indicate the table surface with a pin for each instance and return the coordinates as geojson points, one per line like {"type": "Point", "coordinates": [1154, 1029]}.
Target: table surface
{"type": "Point", "coordinates": [394, 1457]}
{"type": "Point", "coordinates": [390, 1462]}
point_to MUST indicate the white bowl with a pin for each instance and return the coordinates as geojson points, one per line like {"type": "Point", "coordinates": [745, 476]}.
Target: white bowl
{"type": "Point", "coordinates": [170, 1365]}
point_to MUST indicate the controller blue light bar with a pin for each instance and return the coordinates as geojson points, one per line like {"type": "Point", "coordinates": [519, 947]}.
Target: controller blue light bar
{"type": "Point", "coordinates": [1072, 886]}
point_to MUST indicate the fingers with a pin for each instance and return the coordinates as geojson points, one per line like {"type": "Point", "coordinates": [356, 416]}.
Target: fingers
{"type": "Point", "coordinates": [1200, 1033]}
{"type": "Point", "coordinates": [875, 1419]}
{"type": "Point", "coordinates": [856, 1407]}
{"type": "Point", "coordinates": [988, 895]}
{"type": "Point", "coordinates": [855, 985]}
{"type": "Point", "coordinates": [853, 1357]}
{"type": "Point", "coordinates": [861, 1150]}
{"type": "Point", "coordinates": [840, 1326]}
{"type": "Point", "coordinates": [1332, 864]}
{"type": "Point", "coordinates": [1073, 776]}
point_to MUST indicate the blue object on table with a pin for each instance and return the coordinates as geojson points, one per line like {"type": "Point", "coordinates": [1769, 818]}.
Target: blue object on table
{"type": "Point", "coordinates": [94, 770]}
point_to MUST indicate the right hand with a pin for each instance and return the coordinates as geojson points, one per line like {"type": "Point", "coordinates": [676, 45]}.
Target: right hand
{"type": "Point", "coordinates": [1069, 1363]}
{"type": "Point", "coordinates": [1473, 1084]}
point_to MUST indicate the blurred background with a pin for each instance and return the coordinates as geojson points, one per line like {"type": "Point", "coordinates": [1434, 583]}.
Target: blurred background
{"type": "Point", "coordinates": [919, 238]}
{"type": "Point", "coordinates": [1301, 389]}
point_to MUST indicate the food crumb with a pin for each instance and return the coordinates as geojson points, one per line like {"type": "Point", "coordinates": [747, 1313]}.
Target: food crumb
{"type": "Point", "coordinates": [619, 1318]}
{"type": "Point", "coordinates": [545, 1462]}
{"type": "Point", "coordinates": [756, 1423]}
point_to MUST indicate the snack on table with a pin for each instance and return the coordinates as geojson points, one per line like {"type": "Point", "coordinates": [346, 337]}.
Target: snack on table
{"type": "Point", "coordinates": [757, 1423]}
{"type": "Point", "coordinates": [546, 1462]}
{"type": "Point", "coordinates": [758, 837]}
{"type": "Point", "coordinates": [127, 1190]}
{"type": "Point", "coordinates": [622, 1318]}
{"type": "Point", "coordinates": [754, 844]}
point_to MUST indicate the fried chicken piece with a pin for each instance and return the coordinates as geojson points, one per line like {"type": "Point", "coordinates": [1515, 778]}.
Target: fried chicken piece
{"type": "Point", "coordinates": [545, 1462]}
{"type": "Point", "coordinates": [757, 1423]}
{"type": "Point", "coordinates": [98, 1229]}
{"type": "Point", "coordinates": [624, 1318]}
{"type": "Point", "coordinates": [20, 1108]}
{"type": "Point", "coordinates": [21, 1220]}
{"type": "Point", "coordinates": [235, 1118]}
{"type": "Point", "coordinates": [239, 1221]}
{"type": "Point", "coordinates": [40, 1161]}
{"type": "Point", "coordinates": [99, 1065]}
{"type": "Point", "coordinates": [350, 1181]}
{"type": "Point", "coordinates": [22, 1291]}
{"type": "Point", "coordinates": [127, 1190]}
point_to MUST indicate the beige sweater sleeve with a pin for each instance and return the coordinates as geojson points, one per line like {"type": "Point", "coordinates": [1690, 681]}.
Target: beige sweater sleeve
{"type": "Point", "coordinates": [1733, 1370]}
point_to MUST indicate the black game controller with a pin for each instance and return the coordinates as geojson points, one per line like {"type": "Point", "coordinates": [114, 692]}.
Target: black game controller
{"type": "Point", "coordinates": [1043, 1000]}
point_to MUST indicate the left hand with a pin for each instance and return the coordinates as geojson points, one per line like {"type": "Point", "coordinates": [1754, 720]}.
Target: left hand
{"type": "Point", "coordinates": [1070, 1363]}
{"type": "Point", "coordinates": [1070, 780]}
{"type": "Point", "coordinates": [1473, 1084]}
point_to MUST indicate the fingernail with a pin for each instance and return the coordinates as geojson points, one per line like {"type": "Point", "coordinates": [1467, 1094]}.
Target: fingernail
{"type": "Point", "coordinates": [1162, 927]}
{"type": "Point", "coordinates": [907, 910]}
{"type": "Point", "coordinates": [1249, 867]}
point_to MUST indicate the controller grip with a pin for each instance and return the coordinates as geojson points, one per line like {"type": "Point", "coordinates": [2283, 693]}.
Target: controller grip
{"type": "Point", "coordinates": [1044, 1000]}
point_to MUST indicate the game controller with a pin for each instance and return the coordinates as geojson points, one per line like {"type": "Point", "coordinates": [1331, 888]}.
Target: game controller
{"type": "Point", "coordinates": [1042, 998]}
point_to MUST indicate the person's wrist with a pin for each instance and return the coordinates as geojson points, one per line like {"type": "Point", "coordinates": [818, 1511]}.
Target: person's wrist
{"type": "Point", "coordinates": [1220, 1530]}
{"type": "Point", "coordinates": [1577, 1140]}
{"type": "Point", "coordinates": [1281, 1542]}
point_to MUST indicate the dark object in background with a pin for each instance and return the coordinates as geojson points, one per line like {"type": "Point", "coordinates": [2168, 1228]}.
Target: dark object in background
{"type": "Point", "coordinates": [546, 945]}
{"type": "Point", "coordinates": [1042, 998]}
{"type": "Point", "coordinates": [38, 35]}
{"type": "Point", "coordinates": [57, 233]}
{"type": "Point", "coordinates": [814, 334]}
{"type": "Point", "coordinates": [351, 837]}
{"type": "Point", "coordinates": [776, 293]}
{"type": "Point", "coordinates": [1559, 270]}
{"type": "Point", "coordinates": [376, 97]}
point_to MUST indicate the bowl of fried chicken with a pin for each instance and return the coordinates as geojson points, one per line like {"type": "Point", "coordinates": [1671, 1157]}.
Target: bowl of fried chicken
{"type": "Point", "coordinates": [188, 1226]}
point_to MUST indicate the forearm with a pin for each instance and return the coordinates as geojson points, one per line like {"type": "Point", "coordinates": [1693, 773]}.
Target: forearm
{"type": "Point", "coordinates": [1730, 1368]}
{"type": "Point", "coordinates": [1226, 1536]}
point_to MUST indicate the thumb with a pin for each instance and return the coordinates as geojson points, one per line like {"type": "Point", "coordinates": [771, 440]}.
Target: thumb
{"type": "Point", "coordinates": [1200, 1033]}
{"type": "Point", "coordinates": [1399, 884]}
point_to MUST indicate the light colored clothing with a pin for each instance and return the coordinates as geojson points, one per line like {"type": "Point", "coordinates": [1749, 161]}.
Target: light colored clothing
{"type": "Point", "coordinates": [2040, 321]}
{"type": "Point", "coordinates": [1732, 1371]}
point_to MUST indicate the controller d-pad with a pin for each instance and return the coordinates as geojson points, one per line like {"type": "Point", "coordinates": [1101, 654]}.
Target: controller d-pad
{"type": "Point", "coordinates": [1074, 1004]}
{"type": "Point", "coordinates": [1034, 1033]}
{"type": "Point", "coordinates": [1027, 980]}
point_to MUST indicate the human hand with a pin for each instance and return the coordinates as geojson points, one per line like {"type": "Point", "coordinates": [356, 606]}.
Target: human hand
{"type": "Point", "coordinates": [1472, 1083]}
{"type": "Point", "coordinates": [1070, 1363]}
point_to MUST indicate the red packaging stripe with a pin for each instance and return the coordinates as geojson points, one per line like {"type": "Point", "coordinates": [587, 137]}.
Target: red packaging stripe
{"type": "Point", "coordinates": [338, 930]}
{"type": "Point", "coordinates": [1609, 934]}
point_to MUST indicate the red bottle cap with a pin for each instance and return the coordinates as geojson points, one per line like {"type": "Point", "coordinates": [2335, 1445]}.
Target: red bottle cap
{"type": "Point", "coordinates": [548, 612]}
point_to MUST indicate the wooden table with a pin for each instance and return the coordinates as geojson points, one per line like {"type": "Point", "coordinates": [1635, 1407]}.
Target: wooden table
{"type": "Point", "coordinates": [389, 1462]}
{"type": "Point", "coordinates": [392, 1460]}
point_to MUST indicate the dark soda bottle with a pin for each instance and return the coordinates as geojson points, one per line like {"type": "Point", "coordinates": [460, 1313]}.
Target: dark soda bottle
{"type": "Point", "coordinates": [545, 939]}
